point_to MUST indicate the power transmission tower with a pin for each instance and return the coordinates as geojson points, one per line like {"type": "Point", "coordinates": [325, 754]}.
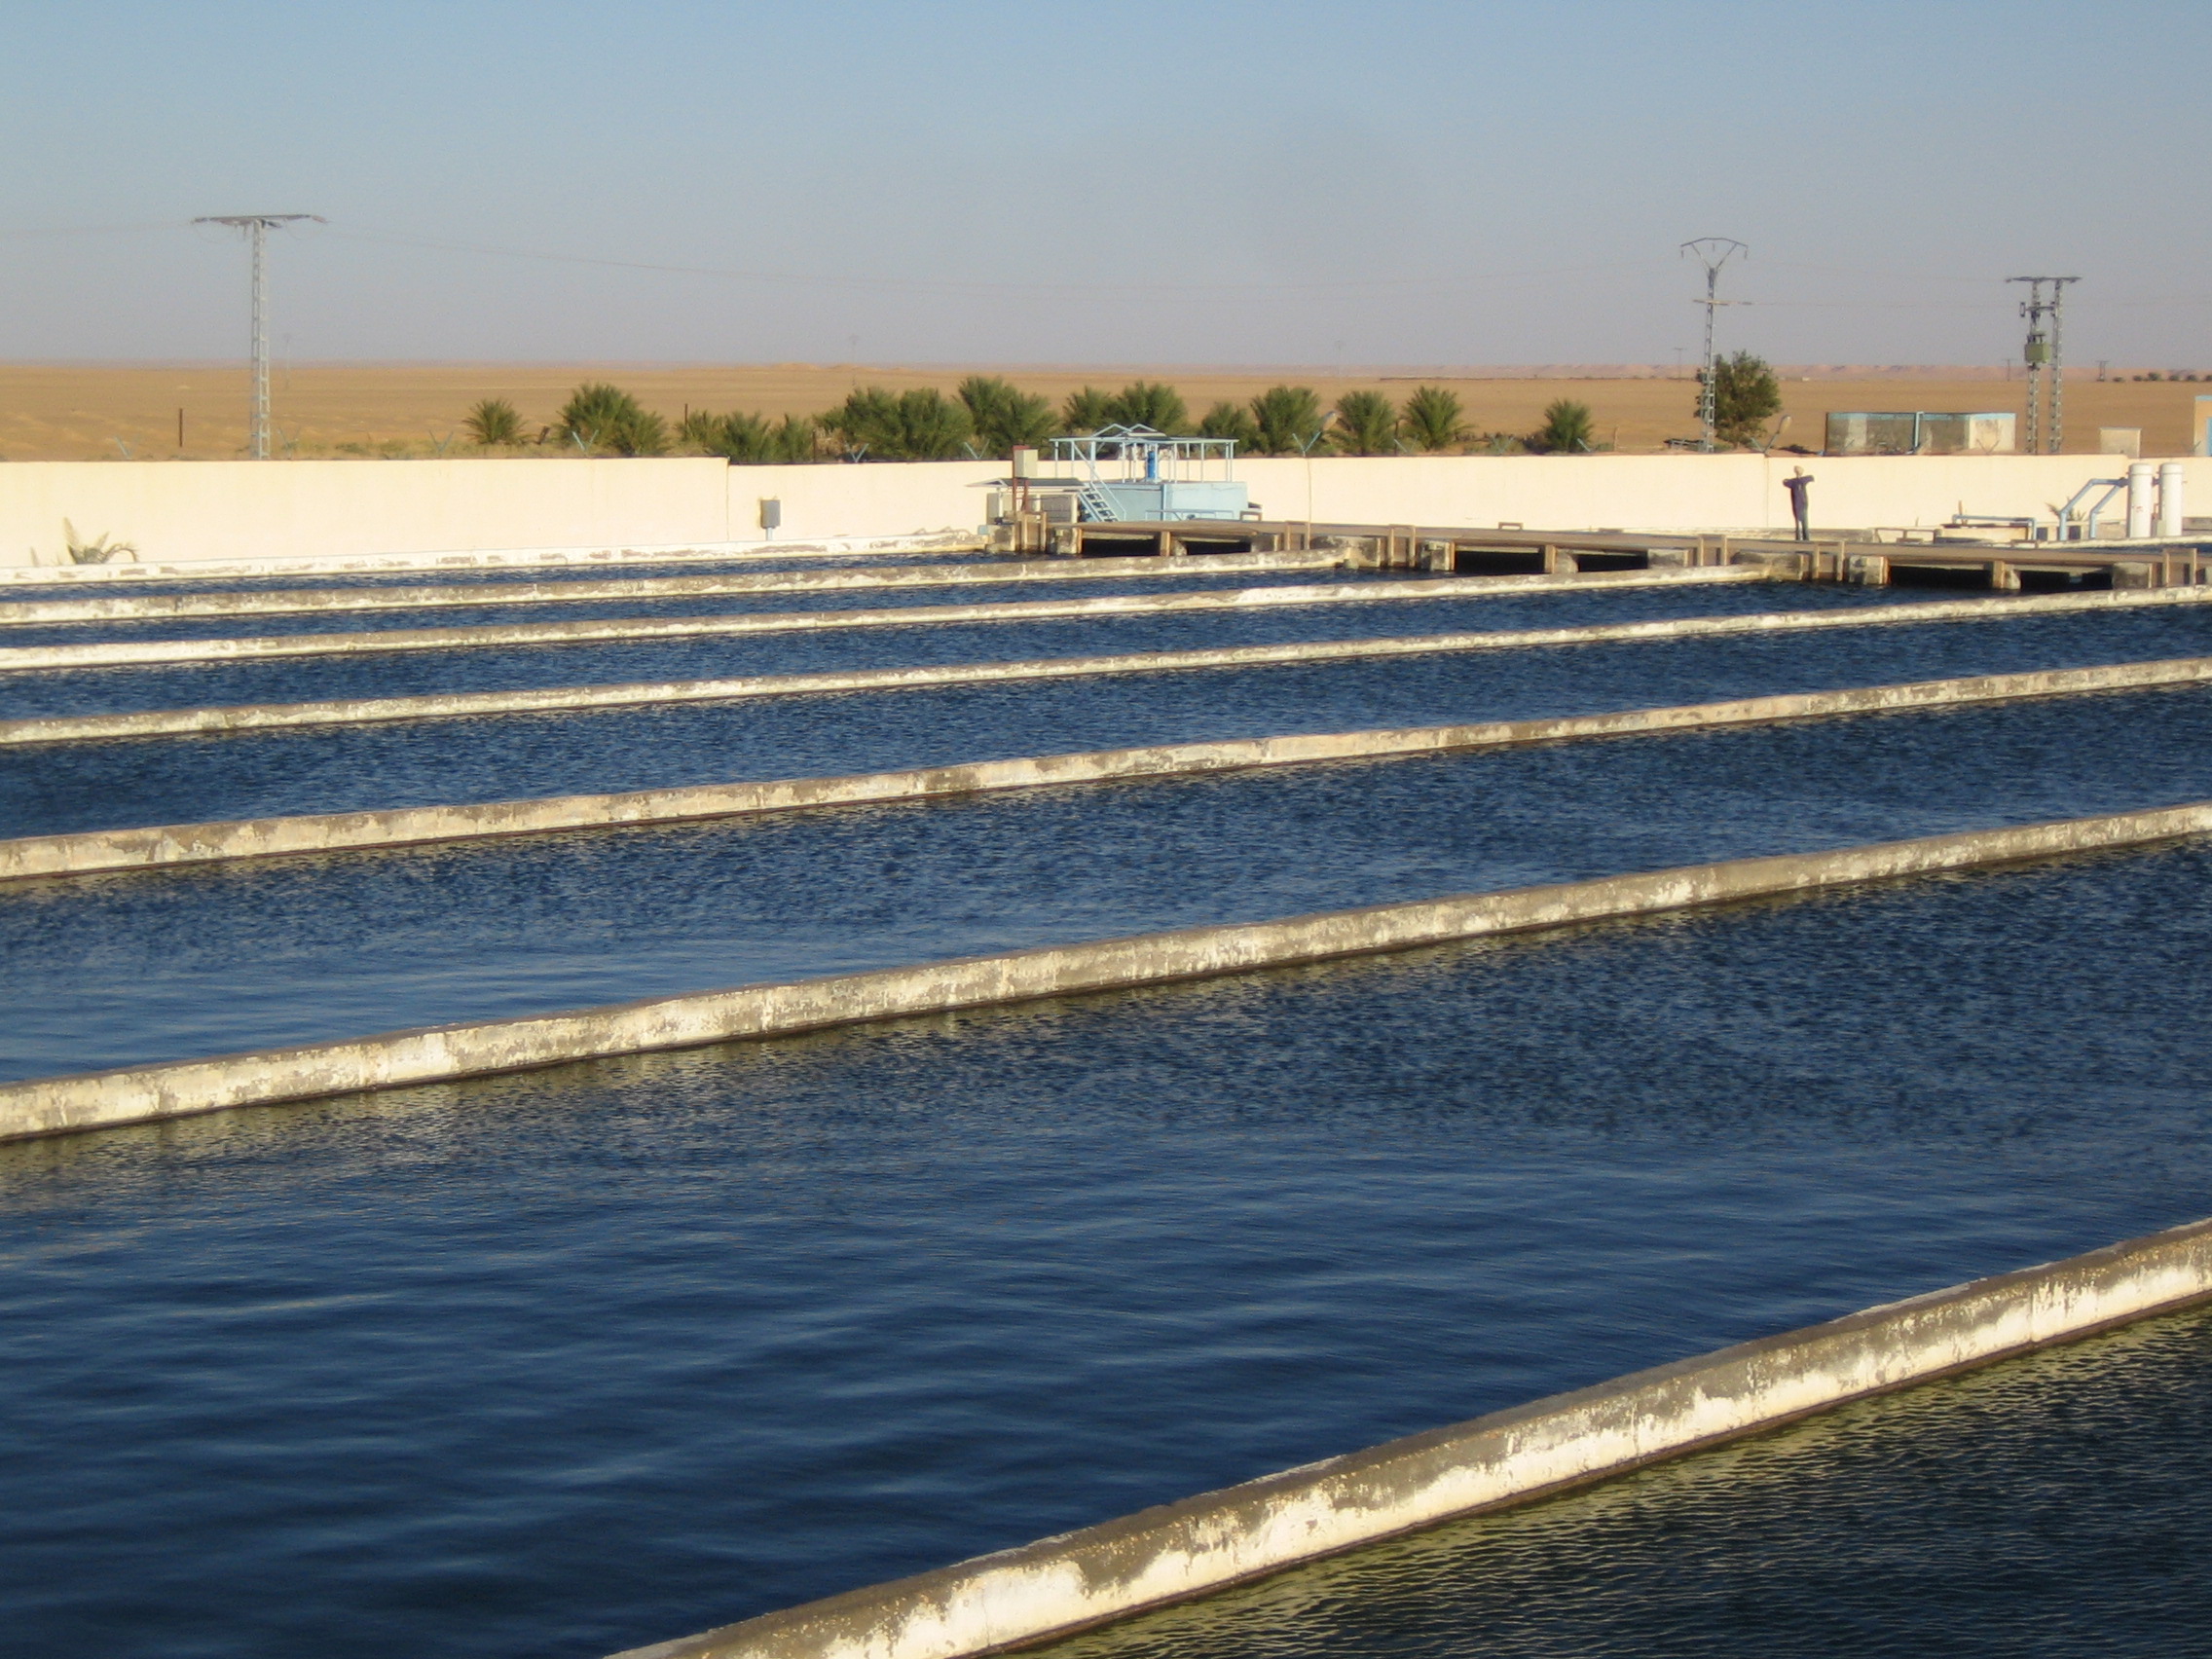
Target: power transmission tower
{"type": "Point", "coordinates": [257, 227]}
{"type": "Point", "coordinates": [2044, 351]}
{"type": "Point", "coordinates": [1712, 252]}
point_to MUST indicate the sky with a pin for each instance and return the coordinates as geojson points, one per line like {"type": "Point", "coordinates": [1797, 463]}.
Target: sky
{"type": "Point", "coordinates": [1350, 183]}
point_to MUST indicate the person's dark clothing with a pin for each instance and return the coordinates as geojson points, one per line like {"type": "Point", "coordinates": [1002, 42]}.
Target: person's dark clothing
{"type": "Point", "coordinates": [1801, 508]}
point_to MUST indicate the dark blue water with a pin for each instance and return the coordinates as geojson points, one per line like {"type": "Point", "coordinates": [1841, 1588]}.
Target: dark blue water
{"type": "Point", "coordinates": [488, 668]}
{"type": "Point", "coordinates": [183, 780]}
{"type": "Point", "coordinates": [563, 1363]}
{"type": "Point", "coordinates": [2050, 1506]}
{"type": "Point", "coordinates": [1173, 580]}
{"type": "Point", "coordinates": [164, 965]}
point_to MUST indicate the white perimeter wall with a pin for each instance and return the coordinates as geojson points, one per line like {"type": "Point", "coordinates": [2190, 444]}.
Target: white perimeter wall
{"type": "Point", "coordinates": [182, 510]}
{"type": "Point", "coordinates": [1741, 493]}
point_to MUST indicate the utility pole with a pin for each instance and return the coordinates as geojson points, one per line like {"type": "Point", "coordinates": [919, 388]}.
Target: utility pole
{"type": "Point", "coordinates": [1712, 252]}
{"type": "Point", "coordinates": [2045, 350]}
{"type": "Point", "coordinates": [257, 227]}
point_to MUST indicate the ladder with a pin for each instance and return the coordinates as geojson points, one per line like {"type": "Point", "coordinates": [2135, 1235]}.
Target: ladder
{"type": "Point", "coordinates": [1097, 506]}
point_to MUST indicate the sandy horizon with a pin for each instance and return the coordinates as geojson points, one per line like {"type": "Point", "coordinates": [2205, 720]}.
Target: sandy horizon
{"type": "Point", "coordinates": [84, 411]}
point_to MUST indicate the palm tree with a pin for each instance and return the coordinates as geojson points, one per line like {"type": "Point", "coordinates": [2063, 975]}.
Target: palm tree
{"type": "Point", "coordinates": [1568, 427]}
{"type": "Point", "coordinates": [1003, 417]}
{"type": "Point", "coordinates": [920, 425]}
{"type": "Point", "coordinates": [1432, 419]}
{"type": "Point", "coordinates": [493, 423]}
{"type": "Point", "coordinates": [601, 417]}
{"type": "Point", "coordinates": [1289, 420]}
{"type": "Point", "coordinates": [1086, 410]}
{"type": "Point", "coordinates": [1230, 421]}
{"type": "Point", "coordinates": [1143, 403]}
{"type": "Point", "coordinates": [1367, 423]}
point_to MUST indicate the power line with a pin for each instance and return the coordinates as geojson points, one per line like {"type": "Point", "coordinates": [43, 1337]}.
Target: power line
{"type": "Point", "coordinates": [958, 284]}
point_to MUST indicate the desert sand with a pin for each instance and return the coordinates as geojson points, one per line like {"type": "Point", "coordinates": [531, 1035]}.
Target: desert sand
{"type": "Point", "coordinates": [108, 412]}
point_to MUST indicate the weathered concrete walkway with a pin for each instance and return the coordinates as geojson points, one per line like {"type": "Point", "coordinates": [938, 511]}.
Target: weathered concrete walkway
{"type": "Point", "coordinates": [113, 653]}
{"type": "Point", "coordinates": [1178, 1551]}
{"type": "Point", "coordinates": [97, 851]}
{"type": "Point", "coordinates": [1012, 572]}
{"type": "Point", "coordinates": [441, 1053]}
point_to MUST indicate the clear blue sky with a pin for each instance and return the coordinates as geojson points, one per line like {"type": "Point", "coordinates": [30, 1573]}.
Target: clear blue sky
{"type": "Point", "coordinates": [1387, 182]}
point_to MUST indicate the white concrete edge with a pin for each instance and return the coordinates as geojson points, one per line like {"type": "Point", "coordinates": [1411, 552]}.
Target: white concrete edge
{"type": "Point", "coordinates": [1010, 573]}
{"type": "Point", "coordinates": [118, 654]}
{"type": "Point", "coordinates": [456, 705]}
{"type": "Point", "coordinates": [106, 851]}
{"type": "Point", "coordinates": [488, 558]}
{"type": "Point", "coordinates": [441, 1053]}
{"type": "Point", "coordinates": [1179, 1551]}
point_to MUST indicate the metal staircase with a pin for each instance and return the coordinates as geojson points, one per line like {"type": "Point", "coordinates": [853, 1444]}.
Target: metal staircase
{"type": "Point", "coordinates": [1097, 506]}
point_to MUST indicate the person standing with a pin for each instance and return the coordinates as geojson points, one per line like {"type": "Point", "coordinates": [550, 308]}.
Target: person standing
{"type": "Point", "coordinates": [1799, 483]}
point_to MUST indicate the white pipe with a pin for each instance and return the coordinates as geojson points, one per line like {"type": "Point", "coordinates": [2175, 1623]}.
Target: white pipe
{"type": "Point", "coordinates": [2139, 475]}
{"type": "Point", "coordinates": [2170, 486]}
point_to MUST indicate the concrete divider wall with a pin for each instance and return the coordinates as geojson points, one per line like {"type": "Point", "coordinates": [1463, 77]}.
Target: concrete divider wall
{"type": "Point", "coordinates": [112, 605]}
{"type": "Point", "coordinates": [264, 717]}
{"type": "Point", "coordinates": [97, 851]}
{"type": "Point", "coordinates": [228, 510]}
{"type": "Point", "coordinates": [140, 1093]}
{"type": "Point", "coordinates": [1183, 1550]}
{"type": "Point", "coordinates": [96, 653]}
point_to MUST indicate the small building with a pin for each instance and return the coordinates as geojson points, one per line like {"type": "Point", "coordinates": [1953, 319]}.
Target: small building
{"type": "Point", "coordinates": [1920, 431]}
{"type": "Point", "coordinates": [1136, 473]}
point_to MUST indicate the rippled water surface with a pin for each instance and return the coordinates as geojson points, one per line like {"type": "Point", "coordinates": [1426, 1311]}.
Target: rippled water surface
{"type": "Point", "coordinates": [168, 964]}
{"type": "Point", "coordinates": [2049, 1507]}
{"type": "Point", "coordinates": [567, 1362]}
{"type": "Point", "coordinates": [497, 668]}
{"type": "Point", "coordinates": [46, 790]}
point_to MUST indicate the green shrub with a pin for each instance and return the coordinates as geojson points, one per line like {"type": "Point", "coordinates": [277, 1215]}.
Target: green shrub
{"type": "Point", "coordinates": [1433, 420]}
{"type": "Point", "coordinates": [1288, 418]}
{"type": "Point", "coordinates": [794, 440]}
{"type": "Point", "coordinates": [749, 439]}
{"type": "Point", "coordinates": [1230, 421]}
{"type": "Point", "coordinates": [921, 424]}
{"type": "Point", "coordinates": [1003, 417]}
{"type": "Point", "coordinates": [1367, 423]}
{"type": "Point", "coordinates": [1569, 429]}
{"type": "Point", "coordinates": [1086, 411]}
{"type": "Point", "coordinates": [1143, 403]}
{"type": "Point", "coordinates": [600, 417]}
{"type": "Point", "coordinates": [1744, 397]}
{"type": "Point", "coordinates": [492, 423]}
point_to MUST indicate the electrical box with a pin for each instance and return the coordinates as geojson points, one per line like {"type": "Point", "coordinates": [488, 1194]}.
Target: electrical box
{"type": "Point", "coordinates": [771, 513]}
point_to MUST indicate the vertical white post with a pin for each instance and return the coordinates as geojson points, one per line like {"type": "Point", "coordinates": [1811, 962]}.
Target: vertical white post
{"type": "Point", "coordinates": [2139, 498]}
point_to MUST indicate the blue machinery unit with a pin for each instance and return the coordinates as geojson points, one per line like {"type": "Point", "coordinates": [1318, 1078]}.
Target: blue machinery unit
{"type": "Point", "coordinates": [1136, 473]}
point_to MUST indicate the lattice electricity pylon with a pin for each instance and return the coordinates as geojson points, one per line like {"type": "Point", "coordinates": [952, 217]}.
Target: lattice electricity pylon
{"type": "Point", "coordinates": [2045, 350]}
{"type": "Point", "coordinates": [1712, 252]}
{"type": "Point", "coordinates": [256, 226]}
